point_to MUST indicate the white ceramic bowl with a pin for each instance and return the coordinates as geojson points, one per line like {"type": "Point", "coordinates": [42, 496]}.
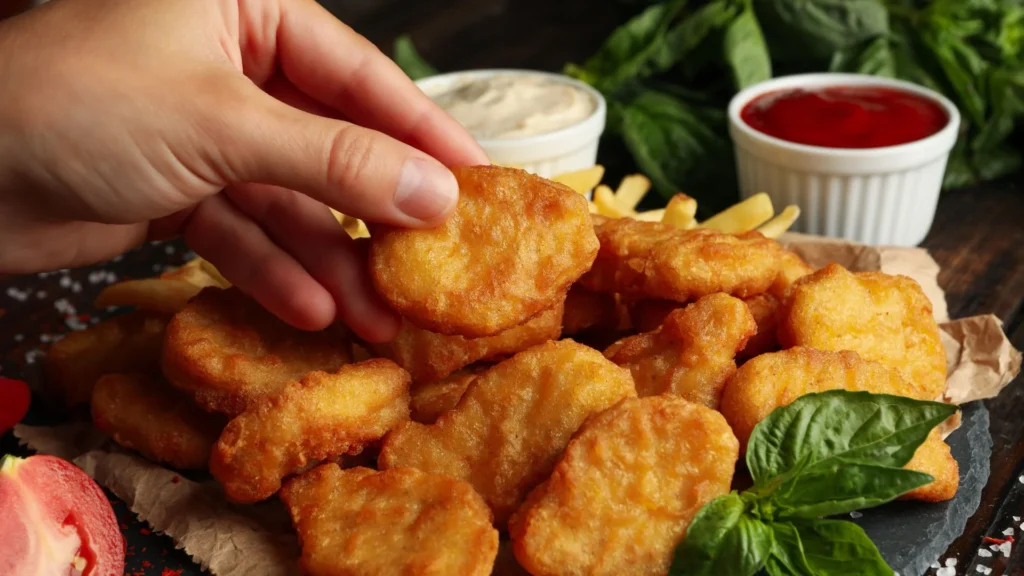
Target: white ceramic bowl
{"type": "Point", "coordinates": [870, 195]}
{"type": "Point", "coordinates": [565, 150]}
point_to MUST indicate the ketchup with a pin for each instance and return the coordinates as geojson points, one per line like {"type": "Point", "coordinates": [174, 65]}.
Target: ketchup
{"type": "Point", "coordinates": [845, 116]}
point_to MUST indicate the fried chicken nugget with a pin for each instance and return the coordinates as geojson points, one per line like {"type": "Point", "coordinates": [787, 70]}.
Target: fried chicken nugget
{"type": "Point", "coordinates": [648, 314]}
{"type": "Point", "coordinates": [145, 414]}
{"type": "Point", "coordinates": [514, 421]}
{"type": "Point", "coordinates": [430, 356]}
{"type": "Point", "coordinates": [586, 311]}
{"type": "Point", "coordinates": [692, 354]}
{"type": "Point", "coordinates": [791, 268]}
{"type": "Point", "coordinates": [432, 399]}
{"type": "Point", "coordinates": [323, 416]}
{"type": "Point", "coordinates": [126, 343]}
{"type": "Point", "coordinates": [767, 312]}
{"type": "Point", "coordinates": [778, 378]}
{"type": "Point", "coordinates": [883, 318]}
{"type": "Point", "coordinates": [358, 522]}
{"type": "Point", "coordinates": [654, 260]}
{"type": "Point", "coordinates": [511, 249]}
{"type": "Point", "coordinates": [624, 493]}
{"type": "Point", "coordinates": [227, 351]}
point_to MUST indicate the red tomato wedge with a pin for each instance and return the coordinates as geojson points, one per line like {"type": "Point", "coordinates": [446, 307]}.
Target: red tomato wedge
{"type": "Point", "coordinates": [55, 520]}
{"type": "Point", "coordinates": [14, 400]}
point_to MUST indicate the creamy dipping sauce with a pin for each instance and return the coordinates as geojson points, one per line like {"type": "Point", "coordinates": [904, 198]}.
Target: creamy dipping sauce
{"type": "Point", "coordinates": [508, 106]}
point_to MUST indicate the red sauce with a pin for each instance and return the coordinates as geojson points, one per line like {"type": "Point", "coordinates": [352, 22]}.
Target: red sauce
{"type": "Point", "coordinates": [845, 116]}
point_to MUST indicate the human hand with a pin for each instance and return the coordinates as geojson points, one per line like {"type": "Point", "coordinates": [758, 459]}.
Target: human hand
{"type": "Point", "coordinates": [232, 123]}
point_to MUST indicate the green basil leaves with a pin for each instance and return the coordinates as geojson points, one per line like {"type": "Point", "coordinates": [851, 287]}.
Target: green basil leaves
{"type": "Point", "coordinates": [824, 454]}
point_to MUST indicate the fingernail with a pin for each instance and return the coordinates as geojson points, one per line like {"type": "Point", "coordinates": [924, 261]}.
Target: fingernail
{"type": "Point", "coordinates": [426, 189]}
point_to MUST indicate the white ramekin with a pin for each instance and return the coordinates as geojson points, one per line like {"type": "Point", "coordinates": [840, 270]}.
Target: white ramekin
{"type": "Point", "coordinates": [565, 150]}
{"type": "Point", "coordinates": [874, 196]}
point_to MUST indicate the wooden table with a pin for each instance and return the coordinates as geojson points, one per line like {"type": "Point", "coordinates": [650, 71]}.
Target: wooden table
{"type": "Point", "coordinates": [978, 239]}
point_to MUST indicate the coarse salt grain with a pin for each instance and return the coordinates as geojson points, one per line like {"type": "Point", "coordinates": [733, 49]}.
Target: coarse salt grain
{"type": "Point", "coordinates": [1020, 479]}
{"type": "Point", "coordinates": [945, 571]}
{"type": "Point", "coordinates": [1005, 548]}
{"type": "Point", "coordinates": [65, 281]}
{"type": "Point", "coordinates": [984, 553]}
{"type": "Point", "coordinates": [76, 287]}
{"type": "Point", "coordinates": [855, 514]}
{"type": "Point", "coordinates": [994, 547]}
{"type": "Point", "coordinates": [169, 249]}
{"type": "Point", "coordinates": [32, 355]}
{"type": "Point", "coordinates": [1016, 518]}
{"type": "Point", "coordinates": [935, 565]}
{"type": "Point", "coordinates": [17, 294]}
{"type": "Point", "coordinates": [1008, 532]}
{"type": "Point", "coordinates": [950, 561]}
{"type": "Point", "coordinates": [983, 569]}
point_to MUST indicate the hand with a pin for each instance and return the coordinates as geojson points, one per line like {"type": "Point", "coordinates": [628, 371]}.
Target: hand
{"type": "Point", "coordinates": [233, 123]}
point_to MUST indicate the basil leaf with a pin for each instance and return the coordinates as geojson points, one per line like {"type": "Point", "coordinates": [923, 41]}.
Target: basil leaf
{"type": "Point", "coordinates": [680, 147]}
{"type": "Point", "coordinates": [634, 51]}
{"type": "Point", "coordinates": [835, 487]}
{"type": "Point", "coordinates": [811, 31]}
{"type": "Point", "coordinates": [745, 50]}
{"type": "Point", "coordinates": [787, 557]}
{"type": "Point", "coordinates": [410, 61]}
{"type": "Point", "coordinates": [852, 427]}
{"type": "Point", "coordinates": [723, 539]}
{"type": "Point", "coordinates": [839, 547]}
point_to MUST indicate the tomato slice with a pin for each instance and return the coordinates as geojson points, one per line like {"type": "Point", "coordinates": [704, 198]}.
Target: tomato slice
{"type": "Point", "coordinates": [14, 401]}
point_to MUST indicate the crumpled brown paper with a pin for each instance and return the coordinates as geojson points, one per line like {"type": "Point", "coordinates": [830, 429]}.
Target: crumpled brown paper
{"type": "Point", "coordinates": [258, 540]}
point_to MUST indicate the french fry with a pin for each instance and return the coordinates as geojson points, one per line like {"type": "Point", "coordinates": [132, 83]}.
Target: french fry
{"type": "Point", "coordinates": [742, 217]}
{"type": "Point", "coordinates": [355, 227]}
{"type": "Point", "coordinates": [680, 211]}
{"type": "Point", "coordinates": [776, 226]}
{"type": "Point", "coordinates": [213, 273]}
{"type": "Point", "coordinates": [651, 215]}
{"type": "Point", "coordinates": [582, 181]}
{"type": "Point", "coordinates": [632, 190]}
{"type": "Point", "coordinates": [607, 203]}
{"type": "Point", "coordinates": [163, 295]}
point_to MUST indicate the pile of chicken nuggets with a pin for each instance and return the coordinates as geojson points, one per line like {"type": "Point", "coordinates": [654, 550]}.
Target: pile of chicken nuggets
{"type": "Point", "coordinates": [570, 386]}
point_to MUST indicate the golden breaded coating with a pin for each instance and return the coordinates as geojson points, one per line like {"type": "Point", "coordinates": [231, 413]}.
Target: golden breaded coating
{"type": "Point", "coordinates": [323, 416]}
{"type": "Point", "coordinates": [767, 312]}
{"type": "Point", "coordinates": [586, 311]}
{"type": "Point", "coordinates": [654, 260]}
{"type": "Point", "coordinates": [511, 249]}
{"type": "Point", "coordinates": [647, 315]}
{"type": "Point", "coordinates": [227, 351]}
{"type": "Point", "coordinates": [624, 493]}
{"type": "Point", "coordinates": [934, 457]}
{"type": "Point", "coordinates": [359, 522]}
{"type": "Point", "coordinates": [883, 318]}
{"type": "Point", "coordinates": [431, 356]}
{"type": "Point", "coordinates": [692, 354]}
{"type": "Point", "coordinates": [126, 343]}
{"type": "Point", "coordinates": [792, 268]}
{"type": "Point", "coordinates": [432, 399]}
{"type": "Point", "coordinates": [145, 414]}
{"type": "Point", "coordinates": [776, 379]}
{"type": "Point", "coordinates": [513, 422]}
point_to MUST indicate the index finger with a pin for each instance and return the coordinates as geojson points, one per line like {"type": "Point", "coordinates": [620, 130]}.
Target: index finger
{"type": "Point", "coordinates": [332, 63]}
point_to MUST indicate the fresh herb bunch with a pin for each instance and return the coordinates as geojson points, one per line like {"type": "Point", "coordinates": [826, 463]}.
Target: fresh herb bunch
{"type": "Point", "coordinates": [824, 454]}
{"type": "Point", "coordinates": [669, 72]}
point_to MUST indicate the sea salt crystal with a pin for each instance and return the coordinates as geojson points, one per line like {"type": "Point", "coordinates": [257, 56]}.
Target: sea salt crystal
{"type": "Point", "coordinates": [65, 281]}
{"type": "Point", "coordinates": [74, 323]}
{"type": "Point", "coordinates": [17, 294]}
{"type": "Point", "coordinates": [855, 514]}
{"type": "Point", "coordinates": [97, 276]}
{"type": "Point", "coordinates": [1008, 531]}
{"type": "Point", "coordinates": [950, 561]}
{"type": "Point", "coordinates": [1005, 548]}
{"type": "Point", "coordinates": [1016, 518]}
{"type": "Point", "coordinates": [76, 287]}
{"type": "Point", "coordinates": [110, 277]}
{"type": "Point", "coordinates": [946, 571]}
{"type": "Point", "coordinates": [935, 565]}
{"type": "Point", "coordinates": [32, 355]}
{"type": "Point", "coordinates": [993, 547]}
{"type": "Point", "coordinates": [984, 553]}
{"type": "Point", "coordinates": [1020, 479]}
{"type": "Point", "coordinates": [169, 249]}
{"type": "Point", "coordinates": [983, 569]}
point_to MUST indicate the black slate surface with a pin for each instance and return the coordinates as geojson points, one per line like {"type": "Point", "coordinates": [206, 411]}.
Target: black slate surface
{"type": "Point", "coordinates": [912, 535]}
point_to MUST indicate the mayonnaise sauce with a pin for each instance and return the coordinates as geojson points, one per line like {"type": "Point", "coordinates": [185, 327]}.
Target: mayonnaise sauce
{"type": "Point", "coordinates": [508, 106]}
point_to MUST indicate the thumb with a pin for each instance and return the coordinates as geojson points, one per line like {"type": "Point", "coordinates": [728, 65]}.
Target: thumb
{"type": "Point", "coordinates": [355, 170]}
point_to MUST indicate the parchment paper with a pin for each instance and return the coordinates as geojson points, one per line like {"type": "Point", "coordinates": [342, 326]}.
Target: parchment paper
{"type": "Point", "coordinates": [258, 540]}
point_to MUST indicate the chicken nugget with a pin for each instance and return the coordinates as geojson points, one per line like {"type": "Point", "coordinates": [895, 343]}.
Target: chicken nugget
{"type": "Point", "coordinates": [586, 311]}
{"type": "Point", "coordinates": [622, 496]}
{"type": "Point", "coordinates": [512, 424]}
{"type": "Point", "coordinates": [323, 416]}
{"type": "Point", "coordinates": [145, 414]}
{"type": "Point", "coordinates": [776, 379]}
{"type": "Point", "coordinates": [126, 343]}
{"type": "Point", "coordinates": [357, 522]}
{"type": "Point", "coordinates": [767, 312]}
{"type": "Point", "coordinates": [883, 318]}
{"type": "Point", "coordinates": [432, 399]}
{"type": "Point", "coordinates": [430, 356]}
{"type": "Point", "coordinates": [655, 260]}
{"type": "Point", "coordinates": [511, 249]}
{"type": "Point", "coordinates": [692, 354]}
{"type": "Point", "coordinates": [648, 314]}
{"type": "Point", "coordinates": [227, 352]}
{"type": "Point", "coordinates": [791, 268]}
